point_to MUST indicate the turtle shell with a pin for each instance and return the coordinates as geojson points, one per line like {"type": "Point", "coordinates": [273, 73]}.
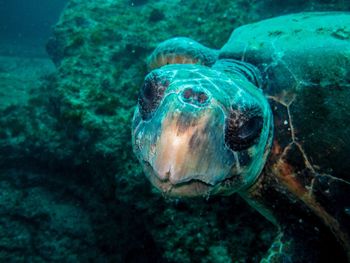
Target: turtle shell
{"type": "Point", "coordinates": [305, 62]}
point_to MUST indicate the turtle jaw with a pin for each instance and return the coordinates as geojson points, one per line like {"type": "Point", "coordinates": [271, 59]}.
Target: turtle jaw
{"type": "Point", "coordinates": [190, 188]}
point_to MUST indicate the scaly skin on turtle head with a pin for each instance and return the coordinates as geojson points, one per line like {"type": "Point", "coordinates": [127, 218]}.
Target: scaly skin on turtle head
{"type": "Point", "coordinates": [200, 130]}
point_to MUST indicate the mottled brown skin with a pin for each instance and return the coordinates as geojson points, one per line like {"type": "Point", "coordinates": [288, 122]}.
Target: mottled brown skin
{"type": "Point", "coordinates": [165, 59]}
{"type": "Point", "coordinates": [181, 51]}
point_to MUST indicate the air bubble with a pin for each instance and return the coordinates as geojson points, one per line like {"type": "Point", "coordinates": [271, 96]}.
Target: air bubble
{"type": "Point", "coordinates": [347, 211]}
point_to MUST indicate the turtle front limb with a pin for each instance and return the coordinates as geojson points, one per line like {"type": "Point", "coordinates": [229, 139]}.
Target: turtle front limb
{"type": "Point", "coordinates": [304, 245]}
{"type": "Point", "coordinates": [181, 50]}
{"type": "Point", "coordinates": [280, 251]}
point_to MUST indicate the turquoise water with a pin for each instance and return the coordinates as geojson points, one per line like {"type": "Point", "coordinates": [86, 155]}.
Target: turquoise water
{"type": "Point", "coordinates": [71, 188]}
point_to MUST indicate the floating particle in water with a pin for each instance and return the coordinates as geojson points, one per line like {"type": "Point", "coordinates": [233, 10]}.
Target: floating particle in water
{"type": "Point", "coordinates": [347, 211]}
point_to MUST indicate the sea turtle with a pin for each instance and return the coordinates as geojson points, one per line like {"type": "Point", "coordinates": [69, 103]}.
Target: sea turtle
{"type": "Point", "coordinates": [266, 116]}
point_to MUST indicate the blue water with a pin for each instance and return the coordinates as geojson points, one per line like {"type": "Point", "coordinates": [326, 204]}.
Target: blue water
{"type": "Point", "coordinates": [28, 24]}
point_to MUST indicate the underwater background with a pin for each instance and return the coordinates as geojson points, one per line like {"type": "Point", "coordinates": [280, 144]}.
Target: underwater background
{"type": "Point", "coordinates": [71, 189]}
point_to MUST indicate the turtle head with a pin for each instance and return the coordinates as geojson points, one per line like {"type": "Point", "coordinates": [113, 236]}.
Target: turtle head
{"type": "Point", "coordinates": [200, 130]}
{"type": "Point", "coordinates": [197, 131]}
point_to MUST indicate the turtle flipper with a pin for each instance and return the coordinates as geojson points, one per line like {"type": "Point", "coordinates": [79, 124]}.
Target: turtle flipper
{"type": "Point", "coordinates": [279, 251]}
{"type": "Point", "coordinates": [300, 243]}
{"type": "Point", "coordinates": [287, 248]}
{"type": "Point", "coordinates": [181, 50]}
{"type": "Point", "coordinates": [333, 196]}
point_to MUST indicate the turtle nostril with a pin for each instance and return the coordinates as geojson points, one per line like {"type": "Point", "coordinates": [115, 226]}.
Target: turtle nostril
{"type": "Point", "coordinates": [187, 93]}
{"type": "Point", "coordinates": [194, 96]}
{"type": "Point", "coordinates": [202, 97]}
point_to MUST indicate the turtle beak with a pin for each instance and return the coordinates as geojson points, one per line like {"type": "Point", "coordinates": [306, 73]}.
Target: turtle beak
{"type": "Point", "coordinates": [183, 149]}
{"type": "Point", "coordinates": [187, 149]}
{"type": "Point", "coordinates": [179, 158]}
{"type": "Point", "coordinates": [180, 168]}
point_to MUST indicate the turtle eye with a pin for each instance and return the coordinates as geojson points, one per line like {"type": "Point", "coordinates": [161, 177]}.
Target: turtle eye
{"type": "Point", "coordinates": [243, 128]}
{"type": "Point", "coordinates": [151, 94]}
